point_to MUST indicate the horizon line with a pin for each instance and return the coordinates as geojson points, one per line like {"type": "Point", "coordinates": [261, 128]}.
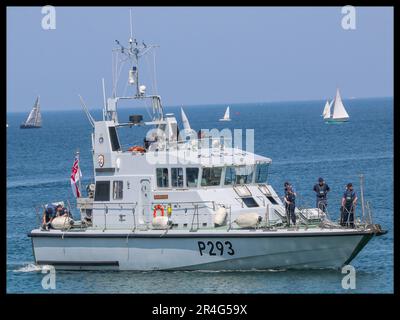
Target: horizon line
{"type": "Point", "coordinates": [216, 104]}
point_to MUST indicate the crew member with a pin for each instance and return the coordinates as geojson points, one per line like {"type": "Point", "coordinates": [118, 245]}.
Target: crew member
{"type": "Point", "coordinates": [146, 143]}
{"type": "Point", "coordinates": [62, 211]}
{"type": "Point", "coordinates": [349, 202]}
{"type": "Point", "coordinates": [285, 189]}
{"type": "Point", "coordinates": [321, 190]}
{"type": "Point", "coordinates": [59, 210]}
{"type": "Point", "coordinates": [49, 214]}
{"type": "Point", "coordinates": [290, 204]}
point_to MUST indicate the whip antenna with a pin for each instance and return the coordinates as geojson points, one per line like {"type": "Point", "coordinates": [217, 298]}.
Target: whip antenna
{"type": "Point", "coordinates": [130, 22]}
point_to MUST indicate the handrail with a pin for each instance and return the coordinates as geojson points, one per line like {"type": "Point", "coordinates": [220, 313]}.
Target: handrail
{"type": "Point", "coordinates": [267, 212]}
{"type": "Point", "coordinates": [369, 213]}
{"type": "Point", "coordinates": [229, 227]}
{"type": "Point", "coordinates": [263, 199]}
{"type": "Point", "coordinates": [346, 223]}
{"type": "Point", "coordinates": [193, 203]}
{"type": "Point", "coordinates": [107, 206]}
{"type": "Point", "coordinates": [195, 213]}
{"type": "Point", "coordinates": [39, 222]}
{"type": "Point", "coordinates": [240, 200]}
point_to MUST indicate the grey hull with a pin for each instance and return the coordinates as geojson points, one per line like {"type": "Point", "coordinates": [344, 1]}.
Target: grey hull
{"type": "Point", "coordinates": [224, 251]}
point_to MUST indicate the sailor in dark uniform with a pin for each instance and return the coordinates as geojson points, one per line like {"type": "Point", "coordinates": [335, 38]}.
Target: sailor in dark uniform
{"type": "Point", "coordinates": [321, 190]}
{"type": "Point", "coordinates": [349, 202]}
{"type": "Point", "coordinates": [290, 204]}
{"type": "Point", "coordinates": [48, 216]}
{"type": "Point", "coordinates": [285, 189]}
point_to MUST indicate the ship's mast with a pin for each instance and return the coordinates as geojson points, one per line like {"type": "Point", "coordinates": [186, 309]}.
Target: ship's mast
{"type": "Point", "coordinates": [131, 54]}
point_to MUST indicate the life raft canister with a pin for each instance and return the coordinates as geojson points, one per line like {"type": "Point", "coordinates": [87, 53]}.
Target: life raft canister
{"type": "Point", "coordinates": [137, 149]}
{"type": "Point", "coordinates": [156, 208]}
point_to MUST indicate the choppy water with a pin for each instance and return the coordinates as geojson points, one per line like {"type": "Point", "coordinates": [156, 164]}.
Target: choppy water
{"type": "Point", "coordinates": [293, 134]}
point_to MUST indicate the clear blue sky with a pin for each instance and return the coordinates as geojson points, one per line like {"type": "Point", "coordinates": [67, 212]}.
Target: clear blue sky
{"type": "Point", "coordinates": [206, 55]}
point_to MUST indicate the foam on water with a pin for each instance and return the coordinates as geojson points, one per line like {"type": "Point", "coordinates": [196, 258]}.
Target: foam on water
{"type": "Point", "coordinates": [31, 267]}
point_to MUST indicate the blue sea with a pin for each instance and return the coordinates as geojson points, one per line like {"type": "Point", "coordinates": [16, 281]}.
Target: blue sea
{"type": "Point", "coordinates": [293, 134]}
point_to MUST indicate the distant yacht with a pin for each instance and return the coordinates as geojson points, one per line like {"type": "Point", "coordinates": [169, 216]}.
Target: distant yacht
{"type": "Point", "coordinates": [226, 115]}
{"type": "Point", "coordinates": [185, 121]}
{"type": "Point", "coordinates": [34, 119]}
{"type": "Point", "coordinates": [338, 114]}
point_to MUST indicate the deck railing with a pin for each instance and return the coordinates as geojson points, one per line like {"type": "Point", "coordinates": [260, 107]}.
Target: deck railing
{"type": "Point", "coordinates": [193, 206]}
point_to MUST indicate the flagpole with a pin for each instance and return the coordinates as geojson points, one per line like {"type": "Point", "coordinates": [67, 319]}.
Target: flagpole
{"type": "Point", "coordinates": [79, 173]}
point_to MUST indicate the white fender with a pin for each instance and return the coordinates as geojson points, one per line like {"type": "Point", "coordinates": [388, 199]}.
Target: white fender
{"type": "Point", "coordinates": [160, 222]}
{"type": "Point", "coordinates": [248, 220]}
{"type": "Point", "coordinates": [62, 222]}
{"type": "Point", "coordinates": [220, 216]}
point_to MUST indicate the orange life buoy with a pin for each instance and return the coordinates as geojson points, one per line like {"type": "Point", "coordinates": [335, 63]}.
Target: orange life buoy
{"type": "Point", "coordinates": [137, 148]}
{"type": "Point", "coordinates": [156, 208]}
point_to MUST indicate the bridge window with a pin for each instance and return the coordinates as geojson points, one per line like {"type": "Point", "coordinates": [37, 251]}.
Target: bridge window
{"type": "Point", "coordinates": [239, 175]}
{"type": "Point", "coordinates": [118, 190]}
{"type": "Point", "coordinates": [177, 177]}
{"type": "Point", "coordinates": [262, 172]}
{"type": "Point", "coordinates": [192, 177]}
{"type": "Point", "coordinates": [114, 139]}
{"type": "Point", "coordinates": [162, 177]}
{"type": "Point", "coordinates": [230, 176]}
{"type": "Point", "coordinates": [211, 176]}
{"type": "Point", "coordinates": [102, 191]}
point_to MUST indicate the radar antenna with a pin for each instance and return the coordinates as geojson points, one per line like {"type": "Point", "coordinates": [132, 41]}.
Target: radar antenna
{"type": "Point", "coordinates": [131, 54]}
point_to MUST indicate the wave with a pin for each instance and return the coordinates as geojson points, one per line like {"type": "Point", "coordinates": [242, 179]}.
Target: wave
{"type": "Point", "coordinates": [233, 271]}
{"type": "Point", "coordinates": [31, 267]}
{"type": "Point", "coordinates": [40, 183]}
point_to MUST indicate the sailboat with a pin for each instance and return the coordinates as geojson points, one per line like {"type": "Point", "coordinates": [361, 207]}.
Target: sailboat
{"type": "Point", "coordinates": [34, 119]}
{"type": "Point", "coordinates": [226, 115]}
{"type": "Point", "coordinates": [339, 113]}
{"type": "Point", "coordinates": [185, 121]}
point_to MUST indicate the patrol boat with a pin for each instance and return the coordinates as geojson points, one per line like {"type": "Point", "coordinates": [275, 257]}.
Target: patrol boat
{"type": "Point", "coordinates": [186, 204]}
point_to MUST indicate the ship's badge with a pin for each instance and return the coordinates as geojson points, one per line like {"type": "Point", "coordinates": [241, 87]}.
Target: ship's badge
{"type": "Point", "coordinates": [100, 160]}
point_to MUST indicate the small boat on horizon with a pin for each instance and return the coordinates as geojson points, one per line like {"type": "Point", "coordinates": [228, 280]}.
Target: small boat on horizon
{"type": "Point", "coordinates": [185, 120]}
{"type": "Point", "coordinates": [34, 119]}
{"type": "Point", "coordinates": [226, 115]}
{"type": "Point", "coordinates": [338, 114]}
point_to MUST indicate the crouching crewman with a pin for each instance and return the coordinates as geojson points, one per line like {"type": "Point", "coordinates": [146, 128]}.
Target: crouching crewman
{"type": "Point", "coordinates": [49, 214]}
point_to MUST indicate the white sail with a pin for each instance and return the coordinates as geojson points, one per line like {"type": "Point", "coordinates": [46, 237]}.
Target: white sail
{"type": "Point", "coordinates": [327, 109]}
{"type": "Point", "coordinates": [38, 117]}
{"type": "Point", "coordinates": [34, 118]}
{"type": "Point", "coordinates": [226, 115]}
{"type": "Point", "coordinates": [185, 121]}
{"type": "Point", "coordinates": [31, 117]}
{"type": "Point", "coordinates": [339, 112]}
